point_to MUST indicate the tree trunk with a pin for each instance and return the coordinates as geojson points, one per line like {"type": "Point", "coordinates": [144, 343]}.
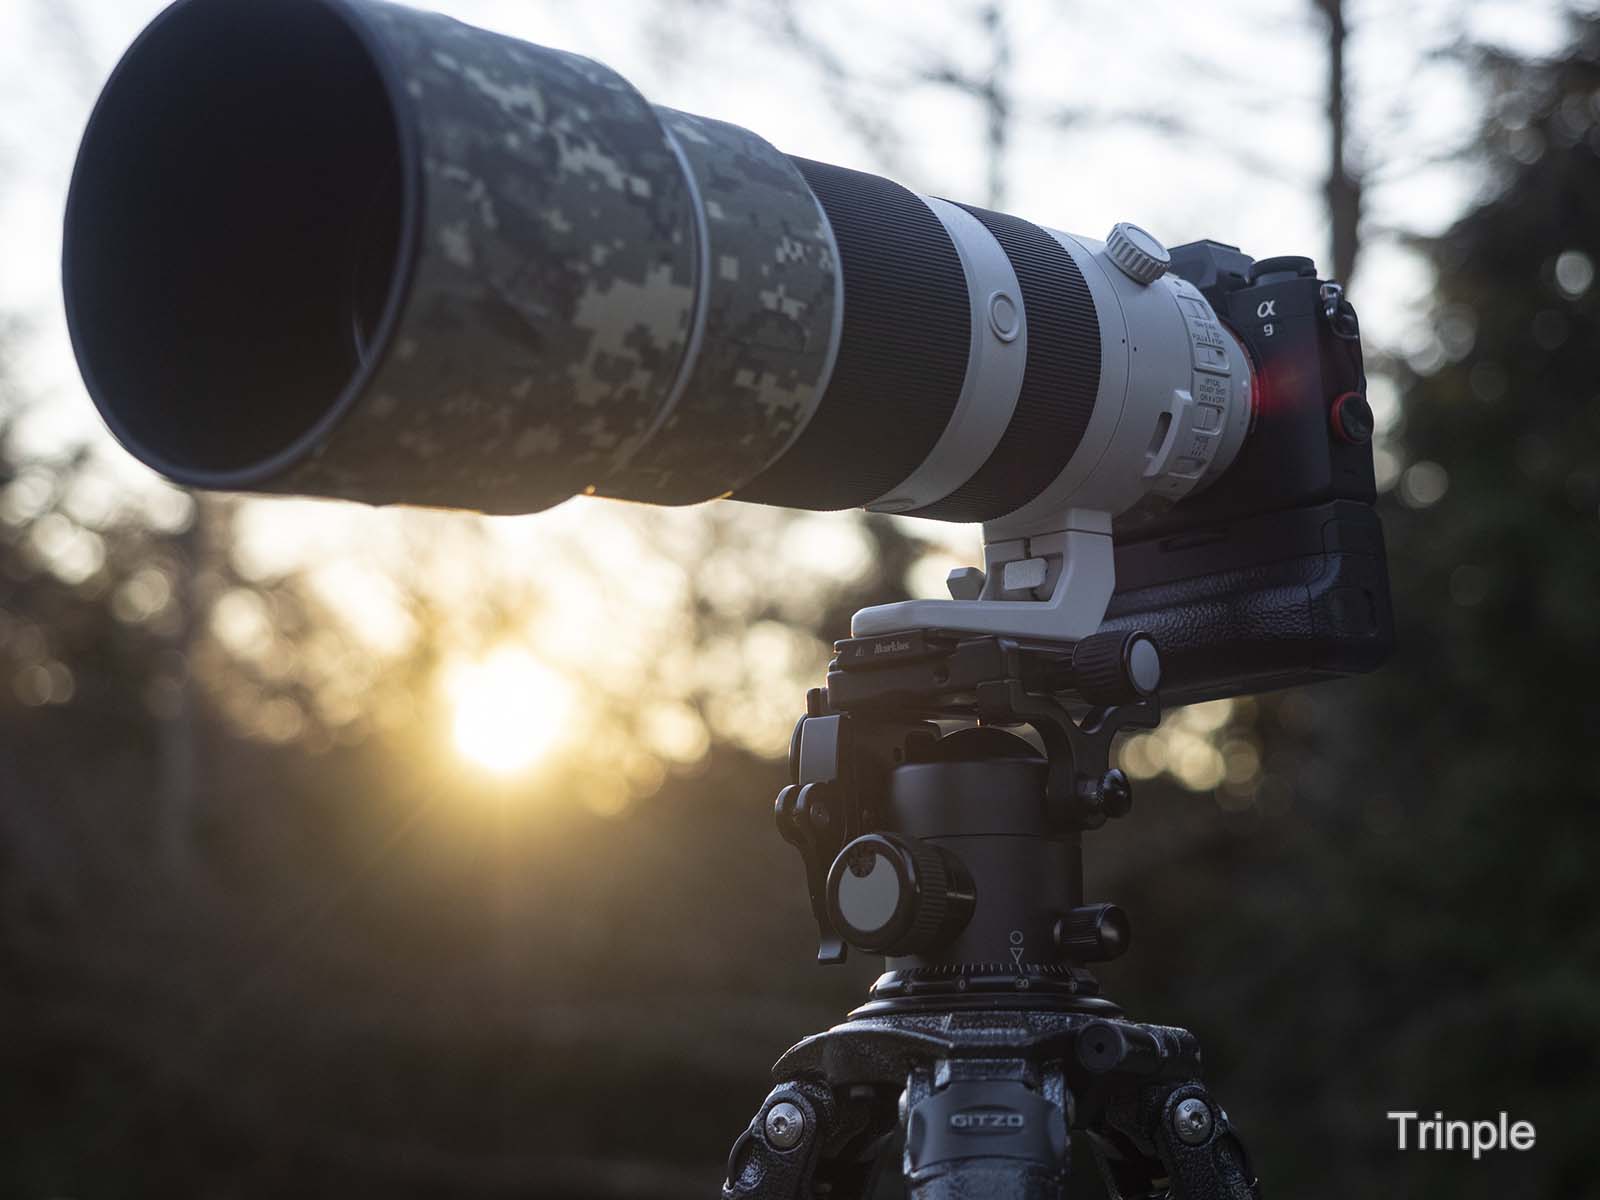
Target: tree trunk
{"type": "Point", "coordinates": [1342, 189]}
{"type": "Point", "coordinates": [996, 94]}
{"type": "Point", "coordinates": [178, 733]}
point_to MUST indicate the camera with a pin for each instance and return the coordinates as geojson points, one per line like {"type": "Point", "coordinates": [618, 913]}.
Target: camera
{"type": "Point", "coordinates": [345, 248]}
{"type": "Point", "coordinates": [1275, 575]}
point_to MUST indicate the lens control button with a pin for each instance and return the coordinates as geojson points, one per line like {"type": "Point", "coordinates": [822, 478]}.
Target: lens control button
{"type": "Point", "coordinates": [1005, 318]}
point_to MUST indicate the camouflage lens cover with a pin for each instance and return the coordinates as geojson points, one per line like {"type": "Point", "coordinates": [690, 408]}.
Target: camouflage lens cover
{"type": "Point", "coordinates": [769, 327]}
{"type": "Point", "coordinates": [553, 286]}
{"type": "Point", "coordinates": [347, 248]}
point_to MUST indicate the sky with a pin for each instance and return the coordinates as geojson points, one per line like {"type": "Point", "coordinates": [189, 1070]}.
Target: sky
{"type": "Point", "coordinates": [1248, 76]}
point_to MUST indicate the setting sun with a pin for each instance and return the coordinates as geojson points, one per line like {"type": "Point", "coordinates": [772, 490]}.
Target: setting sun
{"type": "Point", "coordinates": [508, 710]}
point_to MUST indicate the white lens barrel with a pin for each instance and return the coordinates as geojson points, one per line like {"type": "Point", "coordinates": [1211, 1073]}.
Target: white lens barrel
{"type": "Point", "coordinates": [1174, 402]}
{"type": "Point", "coordinates": [997, 358]}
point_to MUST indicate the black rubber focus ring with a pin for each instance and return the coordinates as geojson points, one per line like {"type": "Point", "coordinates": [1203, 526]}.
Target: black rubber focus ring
{"type": "Point", "coordinates": [902, 350]}
{"type": "Point", "coordinates": [1059, 383]}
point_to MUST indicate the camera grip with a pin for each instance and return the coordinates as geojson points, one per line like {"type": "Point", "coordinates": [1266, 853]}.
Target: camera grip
{"type": "Point", "coordinates": [1283, 599]}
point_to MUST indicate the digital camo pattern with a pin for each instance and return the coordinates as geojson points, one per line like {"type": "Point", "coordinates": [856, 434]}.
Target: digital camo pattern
{"type": "Point", "coordinates": [772, 298]}
{"type": "Point", "coordinates": [554, 285]}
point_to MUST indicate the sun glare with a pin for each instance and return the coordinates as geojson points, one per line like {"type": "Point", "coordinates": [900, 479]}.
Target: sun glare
{"type": "Point", "coordinates": [507, 710]}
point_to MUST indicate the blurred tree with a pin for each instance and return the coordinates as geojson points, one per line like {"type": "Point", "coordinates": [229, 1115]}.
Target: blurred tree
{"type": "Point", "coordinates": [1342, 189]}
{"type": "Point", "coordinates": [1417, 936]}
{"type": "Point", "coordinates": [1477, 765]}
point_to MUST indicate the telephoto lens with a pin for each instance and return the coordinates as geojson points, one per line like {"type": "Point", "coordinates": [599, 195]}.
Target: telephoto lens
{"type": "Point", "coordinates": [347, 248]}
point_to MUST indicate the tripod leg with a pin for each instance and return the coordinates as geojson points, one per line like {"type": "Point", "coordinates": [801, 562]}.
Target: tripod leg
{"type": "Point", "coordinates": [806, 1134]}
{"type": "Point", "coordinates": [1172, 1140]}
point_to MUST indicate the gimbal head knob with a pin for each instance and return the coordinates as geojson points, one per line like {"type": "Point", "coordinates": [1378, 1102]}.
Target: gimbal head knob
{"type": "Point", "coordinates": [894, 895]}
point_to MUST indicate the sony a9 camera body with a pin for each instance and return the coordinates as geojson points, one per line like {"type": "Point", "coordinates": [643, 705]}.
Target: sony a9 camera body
{"type": "Point", "coordinates": [1275, 575]}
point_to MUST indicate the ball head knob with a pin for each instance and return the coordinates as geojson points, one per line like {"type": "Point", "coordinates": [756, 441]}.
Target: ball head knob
{"type": "Point", "coordinates": [895, 895]}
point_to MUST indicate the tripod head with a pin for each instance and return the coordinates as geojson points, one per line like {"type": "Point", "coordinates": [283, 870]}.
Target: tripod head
{"type": "Point", "coordinates": [957, 852]}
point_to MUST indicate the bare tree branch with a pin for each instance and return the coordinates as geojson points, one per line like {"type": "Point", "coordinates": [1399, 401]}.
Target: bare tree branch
{"type": "Point", "coordinates": [1179, 128]}
{"type": "Point", "coordinates": [841, 85]}
{"type": "Point", "coordinates": [991, 89]}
